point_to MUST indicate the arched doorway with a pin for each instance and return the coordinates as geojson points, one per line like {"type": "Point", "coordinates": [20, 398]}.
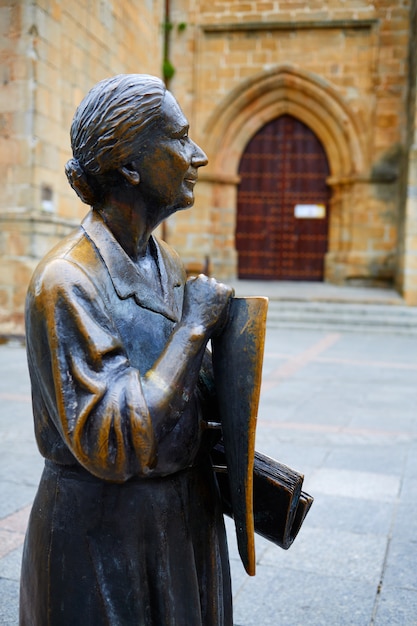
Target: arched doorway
{"type": "Point", "coordinates": [283, 199]}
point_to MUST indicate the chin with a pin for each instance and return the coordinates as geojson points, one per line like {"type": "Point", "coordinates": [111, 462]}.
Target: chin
{"type": "Point", "coordinates": [184, 204]}
{"type": "Point", "coordinates": [177, 206]}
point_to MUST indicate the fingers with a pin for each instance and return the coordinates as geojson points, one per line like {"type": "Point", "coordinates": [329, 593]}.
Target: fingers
{"type": "Point", "coordinates": [206, 301]}
{"type": "Point", "coordinates": [212, 282]}
{"type": "Point", "coordinates": [211, 288]}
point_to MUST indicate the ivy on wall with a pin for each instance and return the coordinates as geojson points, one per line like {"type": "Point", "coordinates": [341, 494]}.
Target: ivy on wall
{"type": "Point", "coordinates": [168, 69]}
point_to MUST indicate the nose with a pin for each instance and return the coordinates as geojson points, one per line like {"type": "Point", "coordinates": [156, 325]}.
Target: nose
{"type": "Point", "coordinates": [199, 158]}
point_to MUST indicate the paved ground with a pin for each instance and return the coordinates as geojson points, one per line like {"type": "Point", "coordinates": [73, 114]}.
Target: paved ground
{"type": "Point", "coordinates": [317, 292]}
{"type": "Point", "coordinates": [340, 408]}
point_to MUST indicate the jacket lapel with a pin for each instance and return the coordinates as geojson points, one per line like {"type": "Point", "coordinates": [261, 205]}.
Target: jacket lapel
{"type": "Point", "coordinates": [127, 278]}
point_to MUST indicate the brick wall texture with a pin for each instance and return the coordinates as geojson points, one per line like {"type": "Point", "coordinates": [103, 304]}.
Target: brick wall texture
{"type": "Point", "coordinates": [52, 53]}
{"type": "Point", "coordinates": [346, 69]}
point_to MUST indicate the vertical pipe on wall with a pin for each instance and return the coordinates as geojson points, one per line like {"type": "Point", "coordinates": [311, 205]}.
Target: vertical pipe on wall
{"type": "Point", "coordinates": [166, 76]}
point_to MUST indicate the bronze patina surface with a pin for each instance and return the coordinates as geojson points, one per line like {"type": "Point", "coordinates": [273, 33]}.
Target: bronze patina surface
{"type": "Point", "coordinates": [127, 526]}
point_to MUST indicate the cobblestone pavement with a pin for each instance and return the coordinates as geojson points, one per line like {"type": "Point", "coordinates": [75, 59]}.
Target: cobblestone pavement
{"type": "Point", "coordinates": [341, 408]}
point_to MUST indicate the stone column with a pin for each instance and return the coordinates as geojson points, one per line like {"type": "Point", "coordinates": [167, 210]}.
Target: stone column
{"type": "Point", "coordinates": [410, 237]}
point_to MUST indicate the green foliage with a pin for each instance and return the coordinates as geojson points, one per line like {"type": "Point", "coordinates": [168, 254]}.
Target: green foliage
{"type": "Point", "coordinates": [168, 70]}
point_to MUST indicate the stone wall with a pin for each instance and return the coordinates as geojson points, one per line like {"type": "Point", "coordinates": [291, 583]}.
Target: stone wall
{"type": "Point", "coordinates": [407, 274]}
{"type": "Point", "coordinates": [342, 68]}
{"type": "Point", "coordinates": [52, 52]}
{"type": "Point", "coordinates": [339, 67]}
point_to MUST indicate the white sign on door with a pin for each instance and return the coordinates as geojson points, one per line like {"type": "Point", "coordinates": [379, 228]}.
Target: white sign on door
{"type": "Point", "coordinates": [309, 211]}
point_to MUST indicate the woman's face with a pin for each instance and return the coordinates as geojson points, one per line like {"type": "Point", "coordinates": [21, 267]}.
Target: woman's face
{"type": "Point", "coordinates": [169, 162]}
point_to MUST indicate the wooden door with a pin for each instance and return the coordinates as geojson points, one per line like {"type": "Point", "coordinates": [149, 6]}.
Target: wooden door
{"type": "Point", "coordinates": [282, 215]}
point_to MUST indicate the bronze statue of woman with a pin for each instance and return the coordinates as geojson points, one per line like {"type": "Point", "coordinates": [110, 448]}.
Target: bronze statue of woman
{"type": "Point", "coordinates": [127, 526]}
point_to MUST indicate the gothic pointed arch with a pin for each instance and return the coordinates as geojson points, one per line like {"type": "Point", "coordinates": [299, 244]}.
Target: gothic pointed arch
{"type": "Point", "coordinates": [289, 90]}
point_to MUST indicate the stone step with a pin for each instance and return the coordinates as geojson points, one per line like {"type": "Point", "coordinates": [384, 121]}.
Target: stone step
{"type": "Point", "coordinates": [349, 317]}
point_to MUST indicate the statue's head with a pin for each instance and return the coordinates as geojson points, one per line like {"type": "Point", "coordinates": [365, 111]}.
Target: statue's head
{"type": "Point", "coordinates": [122, 127]}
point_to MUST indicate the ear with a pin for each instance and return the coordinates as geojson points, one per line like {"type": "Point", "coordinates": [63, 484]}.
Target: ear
{"type": "Point", "coordinates": [130, 173]}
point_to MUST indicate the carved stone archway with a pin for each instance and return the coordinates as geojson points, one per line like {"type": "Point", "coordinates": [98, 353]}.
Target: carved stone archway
{"type": "Point", "coordinates": [255, 102]}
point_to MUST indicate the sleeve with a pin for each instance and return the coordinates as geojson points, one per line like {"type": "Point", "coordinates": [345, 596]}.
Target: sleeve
{"type": "Point", "coordinates": [93, 395]}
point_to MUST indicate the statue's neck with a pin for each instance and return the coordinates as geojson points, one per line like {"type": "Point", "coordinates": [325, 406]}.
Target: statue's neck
{"type": "Point", "coordinates": [130, 227]}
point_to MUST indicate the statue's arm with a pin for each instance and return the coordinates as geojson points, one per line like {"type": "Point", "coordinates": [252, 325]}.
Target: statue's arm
{"type": "Point", "coordinates": [172, 379]}
{"type": "Point", "coordinates": [79, 367]}
{"type": "Point", "coordinates": [109, 415]}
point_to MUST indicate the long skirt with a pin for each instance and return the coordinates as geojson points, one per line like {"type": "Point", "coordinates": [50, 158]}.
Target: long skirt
{"type": "Point", "coordinates": [148, 552]}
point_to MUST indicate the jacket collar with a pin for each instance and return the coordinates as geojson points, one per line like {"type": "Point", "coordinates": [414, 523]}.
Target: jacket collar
{"type": "Point", "coordinates": [128, 279]}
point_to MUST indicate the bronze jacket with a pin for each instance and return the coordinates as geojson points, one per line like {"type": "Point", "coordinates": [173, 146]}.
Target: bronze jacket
{"type": "Point", "coordinates": [125, 529]}
{"type": "Point", "coordinates": [89, 341]}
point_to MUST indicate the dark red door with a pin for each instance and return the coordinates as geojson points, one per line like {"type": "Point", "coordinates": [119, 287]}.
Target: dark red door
{"type": "Point", "coordinates": [282, 215]}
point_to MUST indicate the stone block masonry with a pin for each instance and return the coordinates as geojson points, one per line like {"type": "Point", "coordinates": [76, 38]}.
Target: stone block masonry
{"type": "Point", "coordinates": [346, 70]}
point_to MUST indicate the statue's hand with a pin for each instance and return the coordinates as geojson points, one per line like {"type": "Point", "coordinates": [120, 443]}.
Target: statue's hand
{"type": "Point", "coordinates": [206, 303]}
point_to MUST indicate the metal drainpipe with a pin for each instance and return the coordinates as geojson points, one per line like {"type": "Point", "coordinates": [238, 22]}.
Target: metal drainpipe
{"type": "Point", "coordinates": [167, 37]}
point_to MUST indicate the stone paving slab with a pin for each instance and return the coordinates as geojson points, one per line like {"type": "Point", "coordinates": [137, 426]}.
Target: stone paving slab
{"type": "Point", "coordinates": [288, 597]}
{"type": "Point", "coordinates": [10, 564]}
{"type": "Point", "coordinates": [9, 590]}
{"type": "Point", "coordinates": [396, 607]}
{"type": "Point", "coordinates": [400, 568]}
{"type": "Point", "coordinates": [341, 514]}
{"type": "Point", "coordinates": [340, 408]}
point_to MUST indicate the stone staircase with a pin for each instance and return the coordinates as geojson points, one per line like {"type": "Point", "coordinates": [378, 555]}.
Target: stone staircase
{"type": "Point", "coordinates": [343, 316]}
{"type": "Point", "coordinates": [331, 307]}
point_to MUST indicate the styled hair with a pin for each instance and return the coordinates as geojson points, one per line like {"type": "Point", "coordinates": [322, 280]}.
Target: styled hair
{"type": "Point", "coordinates": [110, 128]}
